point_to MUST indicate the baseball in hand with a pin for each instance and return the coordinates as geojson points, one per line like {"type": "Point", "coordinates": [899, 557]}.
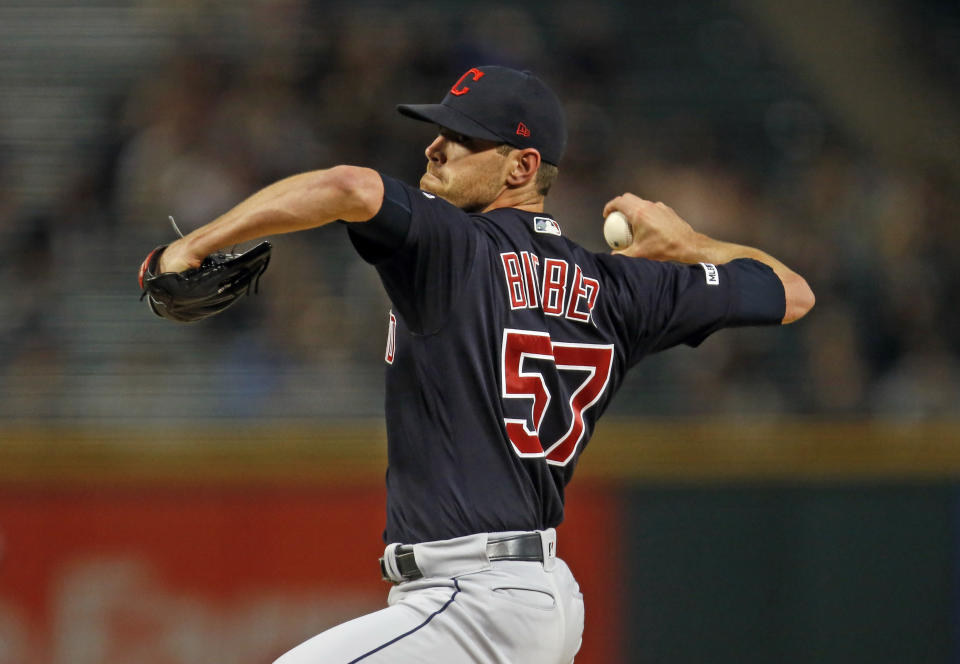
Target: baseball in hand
{"type": "Point", "coordinates": [617, 231]}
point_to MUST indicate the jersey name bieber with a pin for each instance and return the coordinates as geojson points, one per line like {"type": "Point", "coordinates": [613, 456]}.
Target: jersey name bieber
{"type": "Point", "coordinates": [556, 288]}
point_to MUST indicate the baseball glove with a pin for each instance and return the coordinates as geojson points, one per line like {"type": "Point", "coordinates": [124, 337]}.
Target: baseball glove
{"type": "Point", "coordinates": [202, 291]}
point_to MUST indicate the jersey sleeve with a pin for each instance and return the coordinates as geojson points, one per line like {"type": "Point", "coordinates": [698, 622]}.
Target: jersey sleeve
{"type": "Point", "coordinates": [666, 304]}
{"type": "Point", "coordinates": [380, 237]}
{"type": "Point", "coordinates": [423, 249]}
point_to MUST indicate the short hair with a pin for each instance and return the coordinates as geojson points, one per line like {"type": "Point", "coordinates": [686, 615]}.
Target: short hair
{"type": "Point", "coordinates": [546, 174]}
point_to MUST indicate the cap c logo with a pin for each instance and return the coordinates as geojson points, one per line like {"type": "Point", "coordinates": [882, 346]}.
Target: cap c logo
{"type": "Point", "coordinates": [473, 72]}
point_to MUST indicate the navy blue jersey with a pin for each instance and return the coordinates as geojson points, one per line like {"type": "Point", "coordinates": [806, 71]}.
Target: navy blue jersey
{"type": "Point", "coordinates": [506, 343]}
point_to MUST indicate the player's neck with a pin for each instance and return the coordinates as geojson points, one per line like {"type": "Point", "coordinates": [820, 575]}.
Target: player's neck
{"type": "Point", "coordinates": [520, 199]}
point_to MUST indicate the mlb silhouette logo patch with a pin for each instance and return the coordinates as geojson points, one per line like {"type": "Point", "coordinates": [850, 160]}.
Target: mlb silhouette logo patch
{"type": "Point", "coordinates": [546, 225]}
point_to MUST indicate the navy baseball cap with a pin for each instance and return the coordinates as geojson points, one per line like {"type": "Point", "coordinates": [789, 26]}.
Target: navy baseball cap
{"type": "Point", "coordinates": [503, 105]}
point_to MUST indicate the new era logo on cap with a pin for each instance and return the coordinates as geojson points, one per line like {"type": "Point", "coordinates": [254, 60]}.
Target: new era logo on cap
{"type": "Point", "coordinates": [503, 105]}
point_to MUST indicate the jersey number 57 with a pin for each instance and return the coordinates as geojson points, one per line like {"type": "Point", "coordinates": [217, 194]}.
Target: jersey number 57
{"type": "Point", "coordinates": [594, 361]}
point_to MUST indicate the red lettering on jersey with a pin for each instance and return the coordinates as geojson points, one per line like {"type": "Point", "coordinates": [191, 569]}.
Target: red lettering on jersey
{"type": "Point", "coordinates": [593, 291]}
{"type": "Point", "coordinates": [523, 131]}
{"type": "Point", "coordinates": [530, 265]}
{"type": "Point", "coordinates": [591, 365]}
{"type": "Point", "coordinates": [529, 384]}
{"type": "Point", "coordinates": [474, 73]}
{"type": "Point", "coordinates": [596, 361]}
{"type": "Point", "coordinates": [391, 340]}
{"type": "Point", "coordinates": [516, 288]}
{"type": "Point", "coordinates": [584, 288]}
{"type": "Point", "coordinates": [554, 286]}
{"type": "Point", "coordinates": [527, 289]}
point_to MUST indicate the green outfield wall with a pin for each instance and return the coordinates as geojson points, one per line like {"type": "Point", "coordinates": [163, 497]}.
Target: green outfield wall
{"type": "Point", "coordinates": [862, 572]}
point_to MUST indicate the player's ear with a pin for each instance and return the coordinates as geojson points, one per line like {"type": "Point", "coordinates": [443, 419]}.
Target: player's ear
{"type": "Point", "coordinates": [525, 163]}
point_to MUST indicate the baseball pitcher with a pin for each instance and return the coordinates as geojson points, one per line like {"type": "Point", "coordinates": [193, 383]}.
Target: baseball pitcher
{"type": "Point", "coordinates": [506, 342]}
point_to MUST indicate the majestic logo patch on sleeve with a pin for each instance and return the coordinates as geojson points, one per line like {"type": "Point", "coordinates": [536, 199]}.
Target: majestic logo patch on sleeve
{"type": "Point", "coordinates": [546, 225]}
{"type": "Point", "coordinates": [713, 274]}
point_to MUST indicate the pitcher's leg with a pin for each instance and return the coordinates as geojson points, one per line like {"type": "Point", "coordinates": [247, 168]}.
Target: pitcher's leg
{"type": "Point", "coordinates": [412, 630]}
{"type": "Point", "coordinates": [513, 612]}
{"type": "Point", "coordinates": [524, 613]}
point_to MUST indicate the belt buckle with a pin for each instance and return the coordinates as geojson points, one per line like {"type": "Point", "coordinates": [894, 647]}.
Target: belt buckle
{"type": "Point", "coordinates": [383, 571]}
{"type": "Point", "coordinates": [401, 565]}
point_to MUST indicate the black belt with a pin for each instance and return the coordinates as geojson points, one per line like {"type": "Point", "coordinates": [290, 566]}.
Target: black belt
{"type": "Point", "coordinates": [526, 546]}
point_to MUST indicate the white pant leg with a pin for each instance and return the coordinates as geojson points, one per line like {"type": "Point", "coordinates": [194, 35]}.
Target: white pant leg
{"type": "Point", "coordinates": [529, 615]}
{"type": "Point", "coordinates": [380, 636]}
{"type": "Point", "coordinates": [514, 612]}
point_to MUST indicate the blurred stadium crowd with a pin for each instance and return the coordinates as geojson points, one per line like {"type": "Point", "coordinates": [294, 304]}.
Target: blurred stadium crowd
{"type": "Point", "coordinates": [206, 102]}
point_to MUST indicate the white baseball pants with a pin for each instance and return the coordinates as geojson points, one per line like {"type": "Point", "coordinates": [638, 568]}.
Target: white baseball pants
{"type": "Point", "coordinates": [465, 610]}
